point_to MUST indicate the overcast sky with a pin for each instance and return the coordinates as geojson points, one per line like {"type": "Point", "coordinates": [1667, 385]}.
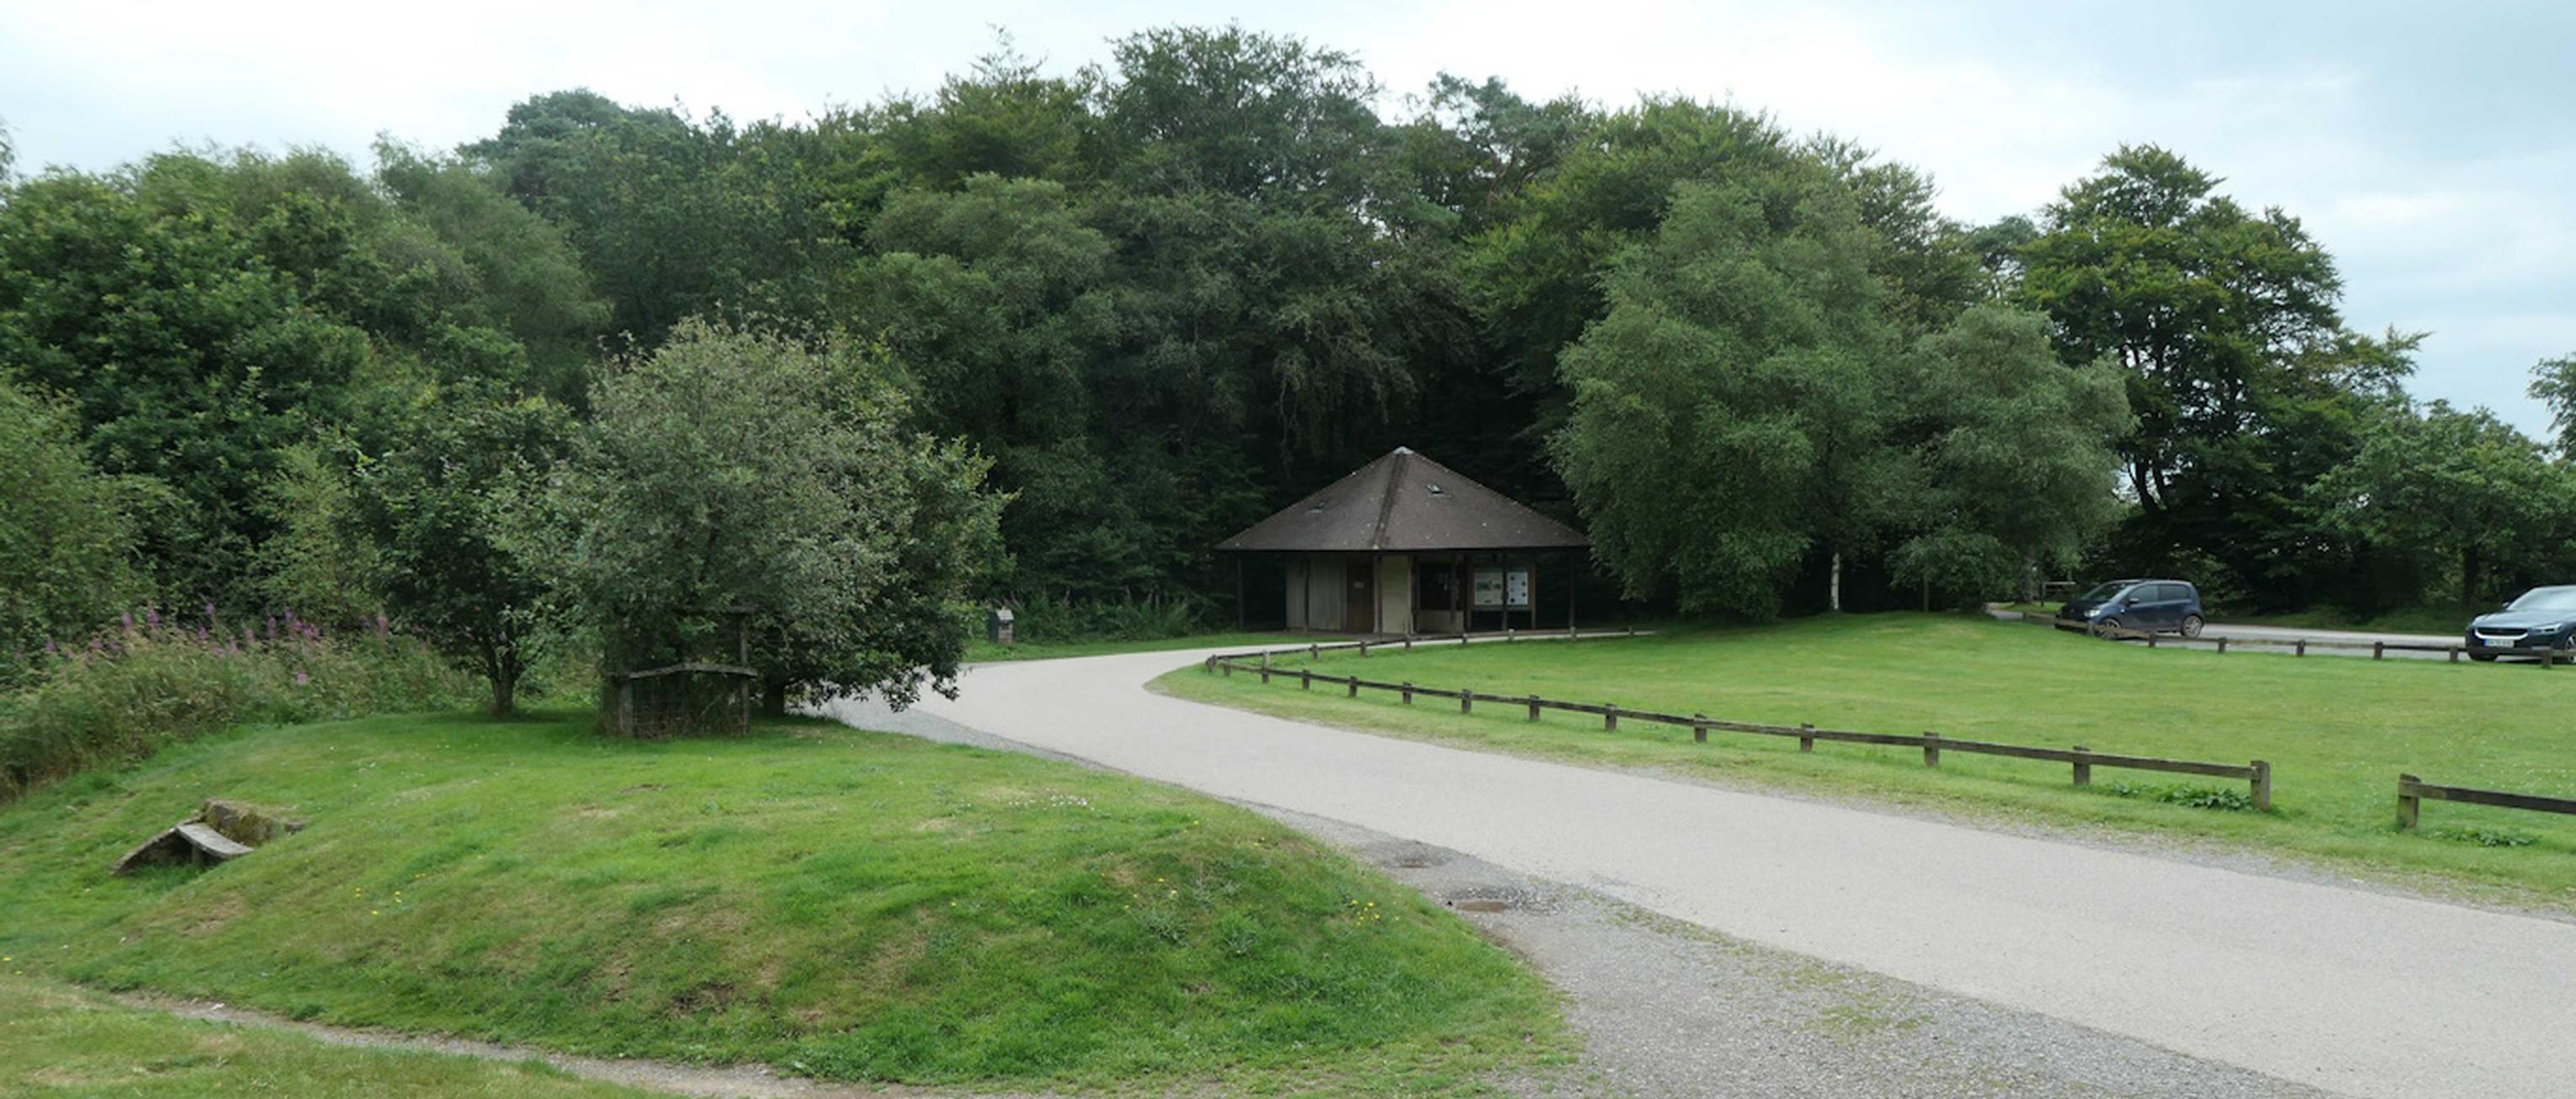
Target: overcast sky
{"type": "Point", "coordinates": [2433, 152]}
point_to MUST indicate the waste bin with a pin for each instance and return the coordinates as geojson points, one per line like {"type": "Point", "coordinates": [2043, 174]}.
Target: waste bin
{"type": "Point", "coordinates": [997, 625]}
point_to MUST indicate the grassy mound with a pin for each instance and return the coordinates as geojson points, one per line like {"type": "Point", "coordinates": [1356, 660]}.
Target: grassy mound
{"type": "Point", "coordinates": [2336, 729]}
{"type": "Point", "coordinates": [837, 903]}
{"type": "Point", "coordinates": [56, 1040]}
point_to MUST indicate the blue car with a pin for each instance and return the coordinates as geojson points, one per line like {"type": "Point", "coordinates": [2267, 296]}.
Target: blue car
{"type": "Point", "coordinates": [2154, 606]}
{"type": "Point", "coordinates": [2542, 618]}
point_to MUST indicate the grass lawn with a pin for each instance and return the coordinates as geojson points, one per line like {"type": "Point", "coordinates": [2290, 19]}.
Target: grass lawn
{"type": "Point", "coordinates": [59, 1040]}
{"type": "Point", "coordinates": [2336, 730]}
{"type": "Point", "coordinates": [2448, 621]}
{"type": "Point", "coordinates": [837, 903]}
{"type": "Point", "coordinates": [980, 651]}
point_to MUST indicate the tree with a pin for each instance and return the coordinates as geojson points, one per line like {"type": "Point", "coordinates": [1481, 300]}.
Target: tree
{"type": "Point", "coordinates": [733, 468]}
{"type": "Point", "coordinates": [2553, 383]}
{"type": "Point", "coordinates": [444, 510]}
{"type": "Point", "coordinates": [2440, 485]}
{"type": "Point", "coordinates": [1729, 412]}
{"type": "Point", "coordinates": [2014, 450]}
{"type": "Point", "coordinates": [66, 541]}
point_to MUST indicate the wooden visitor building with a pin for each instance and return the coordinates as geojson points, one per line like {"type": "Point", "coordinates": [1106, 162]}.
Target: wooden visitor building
{"type": "Point", "coordinates": [1405, 546]}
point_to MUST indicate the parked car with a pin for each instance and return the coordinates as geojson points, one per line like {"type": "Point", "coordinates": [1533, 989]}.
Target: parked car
{"type": "Point", "coordinates": [2155, 606]}
{"type": "Point", "coordinates": [2542, 618]}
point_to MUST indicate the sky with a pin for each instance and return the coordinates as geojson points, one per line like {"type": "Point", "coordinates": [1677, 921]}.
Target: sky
{"type": "Point", "coordinates": [2430, 147]}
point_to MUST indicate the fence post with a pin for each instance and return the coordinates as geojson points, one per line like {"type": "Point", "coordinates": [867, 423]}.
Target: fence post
{"type": "Point", "coordinates": [1315, 650]}
{"type": "Point", "coordinates": [1226, 666]}
{"type": "Point", "coordinates": [1632, 629]}
{"type": "Point", "coordinates": [2407, 806]}
{"type": "Point", "coordinates": [1466, 700]}
{"type": "Point", "coordinates": [2083, 767]}
{"type": "Point", "coordinates": [1699, 728]}
{"type": "Point", "coordinates": [1610, 717]}
{"type": "Point", "coordinates": [2262, 782]}
{"type": "Point", "coordinates": [1363, 648]}
{"type": "Point", "coordinates": [1305, 679]}
{"type": "Point", "coordinates": [2222, 646]}
{"type": "Point", "coordinates": [1355, 686]}
{"type": "Point", "coordinates": [1408, 642]}
{"type": "Point", "coordinates": [2379, 650]}
{"type": "Point", "coordinates": [1806, 737]}
{"type": "Point", "coordinates": [2455, 654]}
{"type": "Point", "coordinates": [1533, 704]}
{"type": "Point", "coordinates": [1931, 748]}
{"type": "Point", "coordinates": [2151, 641]}
{"type": "Point", "coordinates": [1408, 692]}
{"type": "Point", "coordinates": [2303, 647]}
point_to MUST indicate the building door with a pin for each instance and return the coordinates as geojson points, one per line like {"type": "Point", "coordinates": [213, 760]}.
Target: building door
{"type": "Point", "coordinates": [1360, 607]}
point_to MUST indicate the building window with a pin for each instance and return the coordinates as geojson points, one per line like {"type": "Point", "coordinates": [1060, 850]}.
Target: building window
{"type": "Point", "coordinates": [1436, 587]}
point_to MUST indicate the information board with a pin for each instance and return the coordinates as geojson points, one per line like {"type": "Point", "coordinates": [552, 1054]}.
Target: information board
{"type": "Point", "coordinates": [1516, 589]}
{"type": "Point", "coordinates": [1489, 589]}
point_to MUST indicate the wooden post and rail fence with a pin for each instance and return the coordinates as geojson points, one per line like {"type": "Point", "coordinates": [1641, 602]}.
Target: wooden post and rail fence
{"type": "Point", "coordinates": [2546, 656]}
{"type": "Point", "coordinates": [2256, 774]}
{"type": "Point", "coordinates": [2081, 760]}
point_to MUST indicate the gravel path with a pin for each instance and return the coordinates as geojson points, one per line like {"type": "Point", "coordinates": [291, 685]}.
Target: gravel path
{"type": "Point", "coordinates": [2341, 989]}
{"type": "Point", "coordinates": [1668, 1008]}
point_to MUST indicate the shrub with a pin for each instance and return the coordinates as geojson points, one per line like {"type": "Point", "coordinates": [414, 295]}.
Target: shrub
{"type": "Point", "coordinates": [2483, 836]}
{"type": "Point", "coordinates": [1045, 619]}
{"type": "Point", "coordinates": [2195, 797]}
{"type": "Point", "coordinates": [153, 682]}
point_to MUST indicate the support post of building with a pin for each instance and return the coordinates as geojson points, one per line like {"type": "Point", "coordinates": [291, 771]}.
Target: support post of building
{"type": "Point", "coordinates": [1239, 619]}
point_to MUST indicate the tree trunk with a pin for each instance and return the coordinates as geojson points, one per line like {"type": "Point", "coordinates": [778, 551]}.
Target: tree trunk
{"type": "Point", "coordinates": [773, 699]}
{"type": "Point", "coordinates": [1834, 585]}
{"type": "Point", "coordinates": [505, 690]}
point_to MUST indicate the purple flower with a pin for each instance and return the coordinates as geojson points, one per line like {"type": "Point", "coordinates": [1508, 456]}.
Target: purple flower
{"type": "Point", "coordinates": [201, 633]}
{"type": "Point", "coordinates": [272, 627]}
{"type": "Point", "coordinates": [383, 628]}
{"type": "Point", "coordinates": [151, 616]}
{"type": "Point", "coordinates": [127, 620]}
{"type": "Point", "coordinates": [51, 649]}
{"type": "Point", "coordinates": [302, 679]}
{"type": "Point", "coordinates": [210, 611]}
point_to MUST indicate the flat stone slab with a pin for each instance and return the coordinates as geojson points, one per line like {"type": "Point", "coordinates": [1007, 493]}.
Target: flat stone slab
{"type": "Point", "coordinates": [221, 830]}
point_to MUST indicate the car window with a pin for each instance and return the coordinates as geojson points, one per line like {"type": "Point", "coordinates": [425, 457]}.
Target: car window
{"type": "Point", "coordinates": [2172, 593]}
{"type": "Point", "coordinates": [2102, 593]}
{"type": "Point", "coordinates": [2547, 599]}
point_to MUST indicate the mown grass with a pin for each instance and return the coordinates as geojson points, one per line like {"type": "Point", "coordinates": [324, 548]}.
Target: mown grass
{"type": "Point", "coordinates": [58, 1040]}
{"type": "Point", "coordinates": [837, 903]}
{"type": "Point", "coordinates": [2336, 730]}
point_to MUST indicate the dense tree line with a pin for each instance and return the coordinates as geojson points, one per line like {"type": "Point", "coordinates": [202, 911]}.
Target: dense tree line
{"type": "Point", "coordinates": [1149, 301]}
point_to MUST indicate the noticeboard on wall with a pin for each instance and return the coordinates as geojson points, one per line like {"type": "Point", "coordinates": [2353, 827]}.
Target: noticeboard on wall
{"type": "Point", "coordinates": [1503, 588]}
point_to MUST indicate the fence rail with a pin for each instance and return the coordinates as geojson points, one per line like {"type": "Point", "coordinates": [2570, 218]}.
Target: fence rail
{"type": "Point", "coordinates": [2546, 656]}
{"type": "Point", "coordinates": [2412, 792]}
{"type": "Point", "coordinates": [2257, 774]}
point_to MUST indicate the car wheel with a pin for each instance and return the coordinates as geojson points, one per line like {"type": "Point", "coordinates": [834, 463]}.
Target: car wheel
{"type": "Point", "coordinates": [2106, 627]}
{"type": "Point", "coordinates": [2191, 625]}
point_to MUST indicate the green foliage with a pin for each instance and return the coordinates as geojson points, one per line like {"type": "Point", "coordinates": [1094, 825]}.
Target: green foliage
{"type": "Point", "coordinates": [445, 512]}
{"type": "Point", "coordinates": [1728, 411]}
{"type": "Point", "coordinates": [735, 468]}
{"type": "Point", "coordinates": [2013, 450]}
{"type": "Point", "coordinates": [66, 540]}
{"type": "Point", "coordinates": [205, 316]}
{"type": "Point", "coordinates": [157, 682]}
{"type": "Point", "coordinates": [316, 562]}
{"type": "Point", "coordinates": [2553, 383]}
{"type": "Point", "coordinates": [1044, 620]}
{"type": "Point", "coordinates": [2481, 836]}
{"type": "Point", "coordinates": [827, 902]}
{"type": "Point", "coordinates": [2436, 488]}
{"type": "Point", "coordinates": [2188, 796]}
